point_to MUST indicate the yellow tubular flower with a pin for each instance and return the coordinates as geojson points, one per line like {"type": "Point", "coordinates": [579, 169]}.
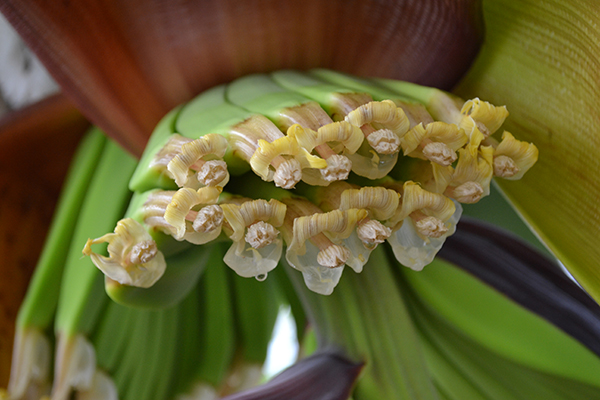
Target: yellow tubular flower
{"type": "Point", "coordinates": [383, 115]}
{"type": "Point", "coordinates": [436, 141]}
{"type": "Point", "coordinates": [322, 243]}
{"type": "Point", "coordinates": [335, 133]}
{"type": "Point", "coordinates": [256, 247]}
{"type": "Point", "coordinates": [168, 151]}
{"type": "Point", "coordinates": [421, 225]}
{"type": "Point", "coordinates": [195, 226]}
{"type": "Point", "coordinates": [470, 180]}
{"type": "Point", "coordinates": [342, 136]}
{"type": "Point", "coordinates": [203, 155]}
{"type": "Point", "coordinates": [381, 203]}
{"type": "Point", "coordinates": [133, 256]}
{"type": "Point", "coordinates": [477, 115]}
{"type": "Point", "coordinates": [264, 161]}
{"type": "Point", "coordinates": [512, 157]}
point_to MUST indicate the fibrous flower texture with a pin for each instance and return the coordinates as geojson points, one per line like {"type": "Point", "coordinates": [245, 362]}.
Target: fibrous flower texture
{"type": "Point", "coordinates": [284, 166]}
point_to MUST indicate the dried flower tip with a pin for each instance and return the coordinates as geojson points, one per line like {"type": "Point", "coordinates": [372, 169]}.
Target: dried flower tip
{"type": "Point", "coordinates": [133, 259]}
{"type": "Point", "coordinates": [102, 387]}
{"type": "Point", "coordinates": [288, 173]}
{"type": "Point", "coordinates": [384, 141]}
{"type": "Point", "coordinates": [505, 167]}
{"type": "Point", "coordinates": [334, 256]}
{"type": "Point", "coordinates": [523, 154]}
{"type": "Point", "coordinates": [192, 154]}
{"type": "Point", "coordinates": [75, 365]}
{"type": "Point", "coordinates": [482, 116]}
{"type": "Point", "coordinates": [32, 360]}
{"type": "Point", "coordinates": [213, 173]}
{"type": "Point", "coordinates": [429, 226]}
{"type": "Point", "coordinates": [439, 153]}
{"type": "Point", "coordinates": [261, 234]}
{"type": "Point", "coordinates": [468, 192]}
{"type": "Point", "coordinates": [338, 168]}
{"type": "Point", "coordinates": [373, 232]}
{"type": "Point", "coordinates": [208, 219]}
{"type": "Point", "coordinates": [384, 114]}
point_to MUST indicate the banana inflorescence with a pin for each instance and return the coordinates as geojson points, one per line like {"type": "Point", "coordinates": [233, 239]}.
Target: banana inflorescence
{"type": "Point", "coordinates": [317, 167]}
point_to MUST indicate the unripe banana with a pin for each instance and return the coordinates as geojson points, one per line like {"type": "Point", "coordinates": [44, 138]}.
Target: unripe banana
{"type": "Point", "coordinates": [39, 306]}
{"type": "Point", "coordinates": [216, 335]}
{"type": "Point", "coordinates": [82, 299]}
{"type": "Point", "coordinates": [180, 277]}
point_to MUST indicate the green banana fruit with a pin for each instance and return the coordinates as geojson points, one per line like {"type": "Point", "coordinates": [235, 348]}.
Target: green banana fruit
{"type": "Point", "coordinates": [256, 305]}
{"type": "Point", "coordinates": [216, 335]}
{"type": "Point", "coordinates": [82, 297]}
{"type": "Point", "coordinates": [39, 305]}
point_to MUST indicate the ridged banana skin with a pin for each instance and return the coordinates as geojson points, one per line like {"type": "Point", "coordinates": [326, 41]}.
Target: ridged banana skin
{"type": "Point", "coordinates": [82, 297]}
{"type": "Point", "coordinates": [310, 86]}
{"type": "Point", "coordinates": [107, 198]}
{"type": "Point", "coordinates": [155, 362]}
{"type": "Point", "coordinates": [217, 330]}
{"type": "Point", "coordinates": [111, 337]}
{"type": "Point", "coordinates": [138, 340]}
{"type": "Point", "coordinates": [188, 345]}
{"type": "Point", "coordinates": [256, 308]}
{"type": "Point", "coordinates": [261, 94]}
{"type": "Point", "coordinates": [357, 84]}
{"type": "Point", "coordinates": [289, 297]}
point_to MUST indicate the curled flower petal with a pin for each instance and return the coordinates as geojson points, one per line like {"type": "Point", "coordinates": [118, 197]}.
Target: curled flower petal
{"type": "Point", "coordinates": [419, 138]}
{"type": "Point", "coordinates": [263, 157]}
{"type": "Point", "coordinates": [210, 145]}
{"type": "Point", "coordinates": [381, 203]}
{"type": "Point", "coordinates": [523, 154]}
{"type": "Point", "coordinates": [482, 116]}
{"type": "Point", "coordinates": [384, 113]}
{"type": "Point", "coordinates": [322, 235]}
{"type": "Point", "coordinates": [178, 212]}
{"type": "Point", "coordinates": [415, 198]}
{"type": "Point", "coordinates": [413, 250]}
{"type": "Point", "coordinates": [133, 257]}
{"type": "Point", "coordinates": [474, 169]}
{"type": "Point", "coordinates": [350, 136]}
{"type": "Point", "coordinates": [256, 247]}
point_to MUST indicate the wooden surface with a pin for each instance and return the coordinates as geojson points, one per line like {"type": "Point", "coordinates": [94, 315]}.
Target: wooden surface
{"type": "Point", "coordinates": [36, 145]}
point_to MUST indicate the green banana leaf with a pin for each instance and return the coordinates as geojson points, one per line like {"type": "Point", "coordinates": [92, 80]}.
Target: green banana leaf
{"type": "Point", "coordinates": [540, 59]}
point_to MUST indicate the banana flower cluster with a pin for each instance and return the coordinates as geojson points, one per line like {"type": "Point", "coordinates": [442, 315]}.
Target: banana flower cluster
{"type": "Point", "coordinates": [330, 174]}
